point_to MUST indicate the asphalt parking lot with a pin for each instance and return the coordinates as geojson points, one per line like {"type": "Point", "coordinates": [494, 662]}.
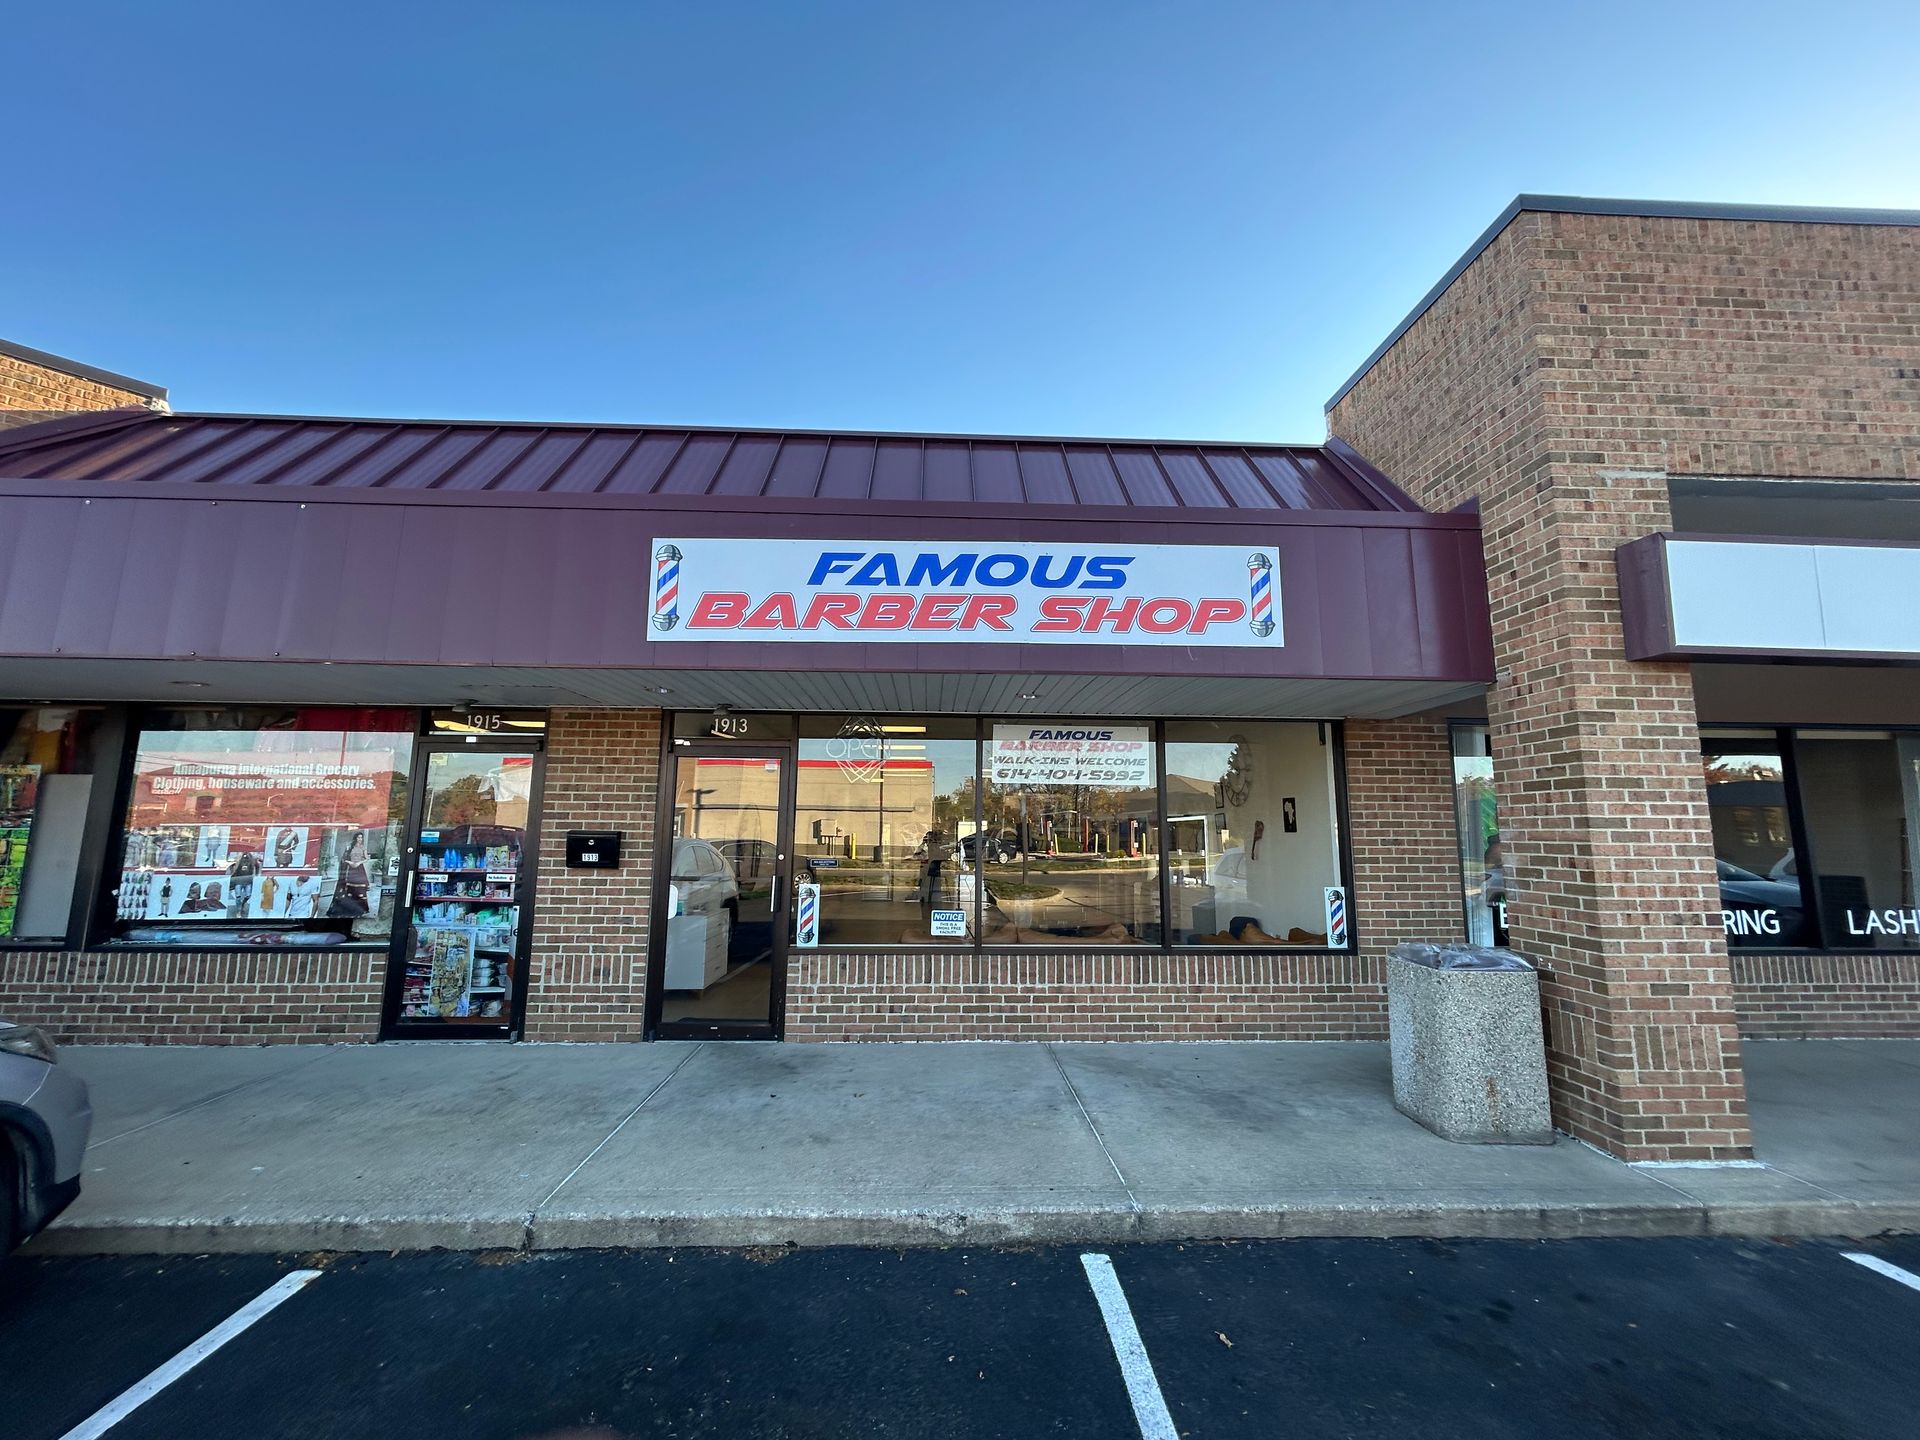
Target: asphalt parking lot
{"type": "Point", "coordinates": [1315, 1338]}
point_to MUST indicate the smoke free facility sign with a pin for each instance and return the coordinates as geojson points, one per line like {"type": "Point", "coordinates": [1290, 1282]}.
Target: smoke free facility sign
{"type": "Point", "coordinates": [878, 591]}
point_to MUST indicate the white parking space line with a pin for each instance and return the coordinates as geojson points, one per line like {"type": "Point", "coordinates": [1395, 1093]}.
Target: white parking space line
{"type": "Point", "coordinates": [1881, 1267]}
{"type": "Point", "coordinates": [1149, 1406]}
{"type": "Point", "coordinates": [111, 1414]}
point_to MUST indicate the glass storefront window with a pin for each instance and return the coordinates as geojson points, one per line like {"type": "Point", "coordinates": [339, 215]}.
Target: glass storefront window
{"type": "Point", "coordinates": [1760, 896]}
{"type": "Point", "coordinates": [47, 773]}
{"type": "Point", "coordinates": [1483, 870]}
{"type": "Point", "coordinates": [884, 825]}
{"type": "Point", "coordinates": [1254, 840]}
{"type": "Point", "coordinates": [1071, 834]}
{"type": "Point", "coordinates": [1860, 797]}
{"type": "Point", "coordinates": [250, 827]}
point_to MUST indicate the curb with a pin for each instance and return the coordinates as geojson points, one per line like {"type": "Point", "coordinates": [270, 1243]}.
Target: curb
{"type": "Point", "coordinates": [912, 1229]}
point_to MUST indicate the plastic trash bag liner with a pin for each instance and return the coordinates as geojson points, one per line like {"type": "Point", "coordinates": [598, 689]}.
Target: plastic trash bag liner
{"type": "Point", "coordinates": [1462, 957]}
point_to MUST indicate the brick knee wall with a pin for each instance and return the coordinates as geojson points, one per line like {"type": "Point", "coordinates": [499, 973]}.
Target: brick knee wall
{"type": "Point", "coordinates": [195, 998]}
{"type": "Point", "coordinates": [1827, 997]}
{"type": "Point", "coordinates": [1103, 996]}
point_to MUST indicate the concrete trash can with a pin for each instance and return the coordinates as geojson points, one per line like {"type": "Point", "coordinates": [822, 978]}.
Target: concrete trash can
{"type": "Point", "coordinates": [1469, 1061]}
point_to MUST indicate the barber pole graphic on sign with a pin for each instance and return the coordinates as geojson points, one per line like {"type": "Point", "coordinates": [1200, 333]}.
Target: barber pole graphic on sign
{"type": "Point", "coordinates": [1260, 593]}
{"type": "Point", "coordinates": [966, 592]}
{"type": "Point", "coordinates": [806, 925]}
{"type": "Point", "coordinates": [1336, 916]}
{"type": "Point", "coordinates": [666, 587]}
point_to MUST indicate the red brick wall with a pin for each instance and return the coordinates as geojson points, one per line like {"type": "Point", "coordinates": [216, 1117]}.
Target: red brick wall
{"type": "Point", "coordinates": [30, 393]}
{"type": "Point", "coordinates": [1712, 347]}
{"type": "Point", "coordinates": [589, 976]}
{"type": "Point", "coordinates": [1823, 997]}
{"type": "Point", "coordinates": [186, 998]}
{"type": "Point", "coordinates": [1406, 861]}
{"type": "Point", "coordinates": [1102, 996]}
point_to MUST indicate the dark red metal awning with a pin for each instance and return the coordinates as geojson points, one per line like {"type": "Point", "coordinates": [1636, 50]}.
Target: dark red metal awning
{"type": "Point", "coordinates": [460, 548]}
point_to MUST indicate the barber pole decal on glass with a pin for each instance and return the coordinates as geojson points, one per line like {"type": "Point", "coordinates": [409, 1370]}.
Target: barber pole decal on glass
{"type": "Point", "coordinates": [806, 925]}
{"type": "Point", "coordinates": [666, 587]}
{"type": "Point", "coordinates": [1260, 589]}
{"type": "Point", "coordinates": [1336, 916]}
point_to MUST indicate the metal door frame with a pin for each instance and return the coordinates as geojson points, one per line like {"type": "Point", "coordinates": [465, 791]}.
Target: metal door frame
{"type": "Point", "coordinates": [392, 1027]}
{"type": "Point", "coordinates": [775, 1025]}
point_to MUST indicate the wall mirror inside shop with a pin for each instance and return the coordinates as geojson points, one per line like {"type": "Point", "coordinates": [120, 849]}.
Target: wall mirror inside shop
{"type": "Point", "coordinates": [264, 827]}
{"type": "Point", "coordinates": [47, 775]}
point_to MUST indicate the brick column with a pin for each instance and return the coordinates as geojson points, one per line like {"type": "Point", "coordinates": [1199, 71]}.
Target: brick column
{"type": "Point", "coordinates": [1604, 825]}
{"type": "Point", "coordinates": [589, 972]}
{"type": "Point", "coordinates": [1494, 395]}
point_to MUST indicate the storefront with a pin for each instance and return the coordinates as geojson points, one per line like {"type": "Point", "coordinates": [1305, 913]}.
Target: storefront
{"type": "Point", "coordinates": [382, 832]}
{"type": "Point", "coordinates": [963, 837]}
{"type": "Point", "coordinates": [716, 749]}
{"type": "Point", "coordinates": [1590, 629]}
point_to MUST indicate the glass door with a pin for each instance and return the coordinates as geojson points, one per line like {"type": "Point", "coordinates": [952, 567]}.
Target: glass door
{"type": "Point", "coordinates": [459, 965]}
{"type": "Point", "coordinates": [720, 958]}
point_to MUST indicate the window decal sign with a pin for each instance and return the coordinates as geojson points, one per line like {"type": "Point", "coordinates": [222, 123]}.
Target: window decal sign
{"type": "Point", "coordinates": [1060, 753]}
{"type": "Point", "coordinates": [1881, 922]}
{"type": "Point", "coordinates": [1336, 916]}
{"type": "Point", "coordinates": [1762, 921]}
{"type": "Point", "coordinates": [969, 592]}
{"type": "Point", "coordinates": [806, 924]}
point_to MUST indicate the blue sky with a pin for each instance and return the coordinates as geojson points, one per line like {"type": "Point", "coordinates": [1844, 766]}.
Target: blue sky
{"type": "Point", "coordinates": [1051, 218]}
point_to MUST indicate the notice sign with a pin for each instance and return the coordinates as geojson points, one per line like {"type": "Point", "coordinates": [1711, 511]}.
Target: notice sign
{"type": "Point", "coordinates": [1058, 753]}
{"type": "Point", "coordinates": [950, 924]}
{"type": "Point", "coordinates": [877, 591]}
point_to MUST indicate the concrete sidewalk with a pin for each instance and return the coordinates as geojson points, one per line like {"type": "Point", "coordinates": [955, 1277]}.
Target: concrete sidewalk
{"type": "Point", "coordinates": [480, 1146]}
